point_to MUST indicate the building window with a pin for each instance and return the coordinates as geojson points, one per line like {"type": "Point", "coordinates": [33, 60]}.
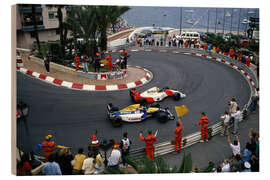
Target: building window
{"type": "Point", "coordinates": [57, 31]}
{"type": "Point", "coordinates": [52, 15]}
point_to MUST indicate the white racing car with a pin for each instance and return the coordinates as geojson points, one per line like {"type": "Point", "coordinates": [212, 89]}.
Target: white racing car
{"type": "Point", "coordinates": [137, 113]}
{"type": "Point", "coordinates": [155, 94]}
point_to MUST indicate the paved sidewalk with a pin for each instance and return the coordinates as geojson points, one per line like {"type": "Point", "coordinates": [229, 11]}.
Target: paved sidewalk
{"type": "Point", "coordinates": [134, 74]}
{"type": "Point", "coordinates": [216, 149]}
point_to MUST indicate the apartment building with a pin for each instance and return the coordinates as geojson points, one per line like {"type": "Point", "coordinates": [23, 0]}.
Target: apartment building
{"type": "Point", "coordinates": [47, 24]}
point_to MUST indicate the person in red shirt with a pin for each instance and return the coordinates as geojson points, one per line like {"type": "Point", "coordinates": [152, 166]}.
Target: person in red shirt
{"type": "Point", "coordinates": [178, 136]}
{"type": "Point", "coordinates": [48, 147]}
{"type": "Point", "coordinates": [109, 59]}
{"type": "Point", "coordinates": [248, 60]}
{"type": "Point", "coordinates": [186, 44]}
{"type": "Point", "coordinates": [218, 50]}
{"type": "Point", "coordinates": [231, 53]}
{"type": "Point", "coordinates": [124, 54]}
{"type": "Point", "coordinates": [149, 144]}
{"type": "Point", "coordinates": [205, 47]}
{"type": "Point", "coordinates": [24, 165]}
{"type": "Point", "coordinates": [240, 57]}
{"type": "Point", "coordinates": [77, 61]}
{"type": "Point", "coordinates": [204, 124]}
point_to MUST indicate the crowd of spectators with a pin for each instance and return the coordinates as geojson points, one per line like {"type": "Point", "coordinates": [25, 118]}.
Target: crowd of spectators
{"type": "Point", "coordinates": [242, 161]}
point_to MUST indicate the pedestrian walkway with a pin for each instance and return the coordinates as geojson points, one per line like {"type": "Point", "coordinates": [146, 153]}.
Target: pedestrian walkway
{"type": "Point", "coordinates": [136, 76]}
{"type": "Point", "coordinates": [216, 149]}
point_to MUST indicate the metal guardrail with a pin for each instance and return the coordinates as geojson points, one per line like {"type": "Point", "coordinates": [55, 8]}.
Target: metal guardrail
{"type": "Point", "coordinates": [167, 147]}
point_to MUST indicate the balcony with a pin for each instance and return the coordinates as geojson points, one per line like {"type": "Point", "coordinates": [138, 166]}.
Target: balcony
{"type": "Point", "coordinates": [29, 9]}
{"type": "Point", "coordinates": [31, 28]}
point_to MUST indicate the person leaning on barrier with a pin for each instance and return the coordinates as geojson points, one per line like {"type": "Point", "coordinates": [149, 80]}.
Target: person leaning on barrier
{"type": "Point", "coordinates": [226, 123]}
{"type": "Point", "coordinates": [236, 118]}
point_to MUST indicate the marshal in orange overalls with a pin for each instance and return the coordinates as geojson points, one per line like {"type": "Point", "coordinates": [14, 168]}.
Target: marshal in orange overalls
{"type": "Point", "coordinates": [48, 147]}
{"type": "Point", "coordinates": [77, 61]}
{"type": "Point", "coordinates": [204, 124]}
{"type": "Point", "coordinates": [178, 135]}
{"type": "Point", "coordinates": [109, 59]}
{"type": "Point", "coordinates": [248, 60]}
{"type": "Point", "coordinates": [149, 144]}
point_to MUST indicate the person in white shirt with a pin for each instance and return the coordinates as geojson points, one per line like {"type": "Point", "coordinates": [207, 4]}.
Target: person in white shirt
{"type": "Point", "coordinates": [88, 164]}
{"type": "Point", "coordinates": [235, 146]}
{"type": "Point", "coordinates": [115, 158]}
{"type": "Point", "coordinates": [236, 117]}
{"type": "Point", "coordinates": [225, 166]}
{"type": "Point", "coordinates": [233, 105]}
{"type": "Point", "coordinates": [226, 123]}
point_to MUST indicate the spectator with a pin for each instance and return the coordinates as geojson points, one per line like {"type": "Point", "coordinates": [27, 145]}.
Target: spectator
{"type": "Point", "coordinates": [232, 106]}
{"type": "Point", "coordinates": [125, 56]}
{"type": "Point", "coordinates": [51, 167]}
{"type": "Point", "coordinates": [226, 123]}
{"type": "Point", "coordinates": [248, 60]}
{"type": "Point", "coordinates": [65, 159]}
{"type": "Point", "coordinates": [47, 63]}
{"type": "Point", "coordinates": [78, 162]}
{"type": "Point", "coordinates": [48, 147]}
{"type": "Point", "coordinates": [254, 141]}
{"type": "Point", "coordinates": [209, 48]}
{"type": "Point", "coordinates": [236, 118]}
{"type": "Point", "coordinates": [98, 162]}
{"type": "Point", "coordinates": [226, 166]}
{"type": "Point", "coordinates": [88, 166]}
{"type": "Point", "coordinates": [255, 99]}
{"type": "Point", "coordinates": [85, 63]}
{"type": "Point", "coordinates": [94, 144]}
{"type": "Point", "coordinates": [196, 169]}
{"type": "Point", "coordinates": [219, 169]}
{"type": "Point", "coordinates": [247, 153]}
{"type": "Point", "coordinates": [235, 146]}
{"type": "Point", "coordinates": [254, 162]}
{"type": "Point", "coordinates": [247, 167]}
{"type": "Point", "coordinates": [236, 163]}
{"type": "Point", "coordinates": [115, 157]}
{"type": "Point", "coordinates": [125, 146]}
{"type": "Point", "coordinates": [97, 62]}
{"type": "Point", "coordinates": [24, 165]}
{"type": "Point", "coordinates": [218, 50]}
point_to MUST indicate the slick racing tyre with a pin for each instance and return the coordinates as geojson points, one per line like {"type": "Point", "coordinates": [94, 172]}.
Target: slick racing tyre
{"type": "Point", "coordinates": [176, 96]}
{"type": "Point", "coordinates": [162, 117]}
{"type": "Point", "coordinates": [117, 121]}
{"type": "Point", "coordinates": [142, 101]}
{"type": "Point", "coordinates": [155, 105]}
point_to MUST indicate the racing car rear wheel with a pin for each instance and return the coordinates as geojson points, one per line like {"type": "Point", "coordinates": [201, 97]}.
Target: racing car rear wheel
{"type": "Point", "coordinates": [176, 96]}
{"type": "Point", "coordinates": [117, 121]}
{"type": "Point", "coordinates": [162, 117]}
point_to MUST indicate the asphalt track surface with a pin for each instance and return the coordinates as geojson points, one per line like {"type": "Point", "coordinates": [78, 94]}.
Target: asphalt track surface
{"type": "Point", "coordinates": [71, 116]}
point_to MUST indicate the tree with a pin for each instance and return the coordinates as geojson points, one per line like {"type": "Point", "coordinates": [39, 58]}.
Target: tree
{"type": "Point", "coordinates": [147, 166]}
{"type": "Point", "coordinates": [82, 22]}
{"type": "Point", "coordinates": [107, 15]}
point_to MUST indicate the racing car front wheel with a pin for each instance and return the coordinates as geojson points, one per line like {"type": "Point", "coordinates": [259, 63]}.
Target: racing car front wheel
{"type": "Point", "coordinates": [162, 117]}
{"type": "Point", "coordinates": [117, 121]}
{"type": "Point", "coordinates": [176, 96]}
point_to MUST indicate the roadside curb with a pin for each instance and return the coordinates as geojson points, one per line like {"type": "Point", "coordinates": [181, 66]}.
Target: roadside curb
{"type": "Point", "coordinates": [86, 87]}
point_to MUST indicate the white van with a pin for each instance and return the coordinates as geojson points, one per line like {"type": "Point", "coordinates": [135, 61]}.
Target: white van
{"type": "Point", "coordinates": [189, 35]}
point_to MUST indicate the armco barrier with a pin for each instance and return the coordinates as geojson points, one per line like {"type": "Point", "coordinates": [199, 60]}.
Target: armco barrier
{"type": "Point", "coordinates": [167, 147]}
